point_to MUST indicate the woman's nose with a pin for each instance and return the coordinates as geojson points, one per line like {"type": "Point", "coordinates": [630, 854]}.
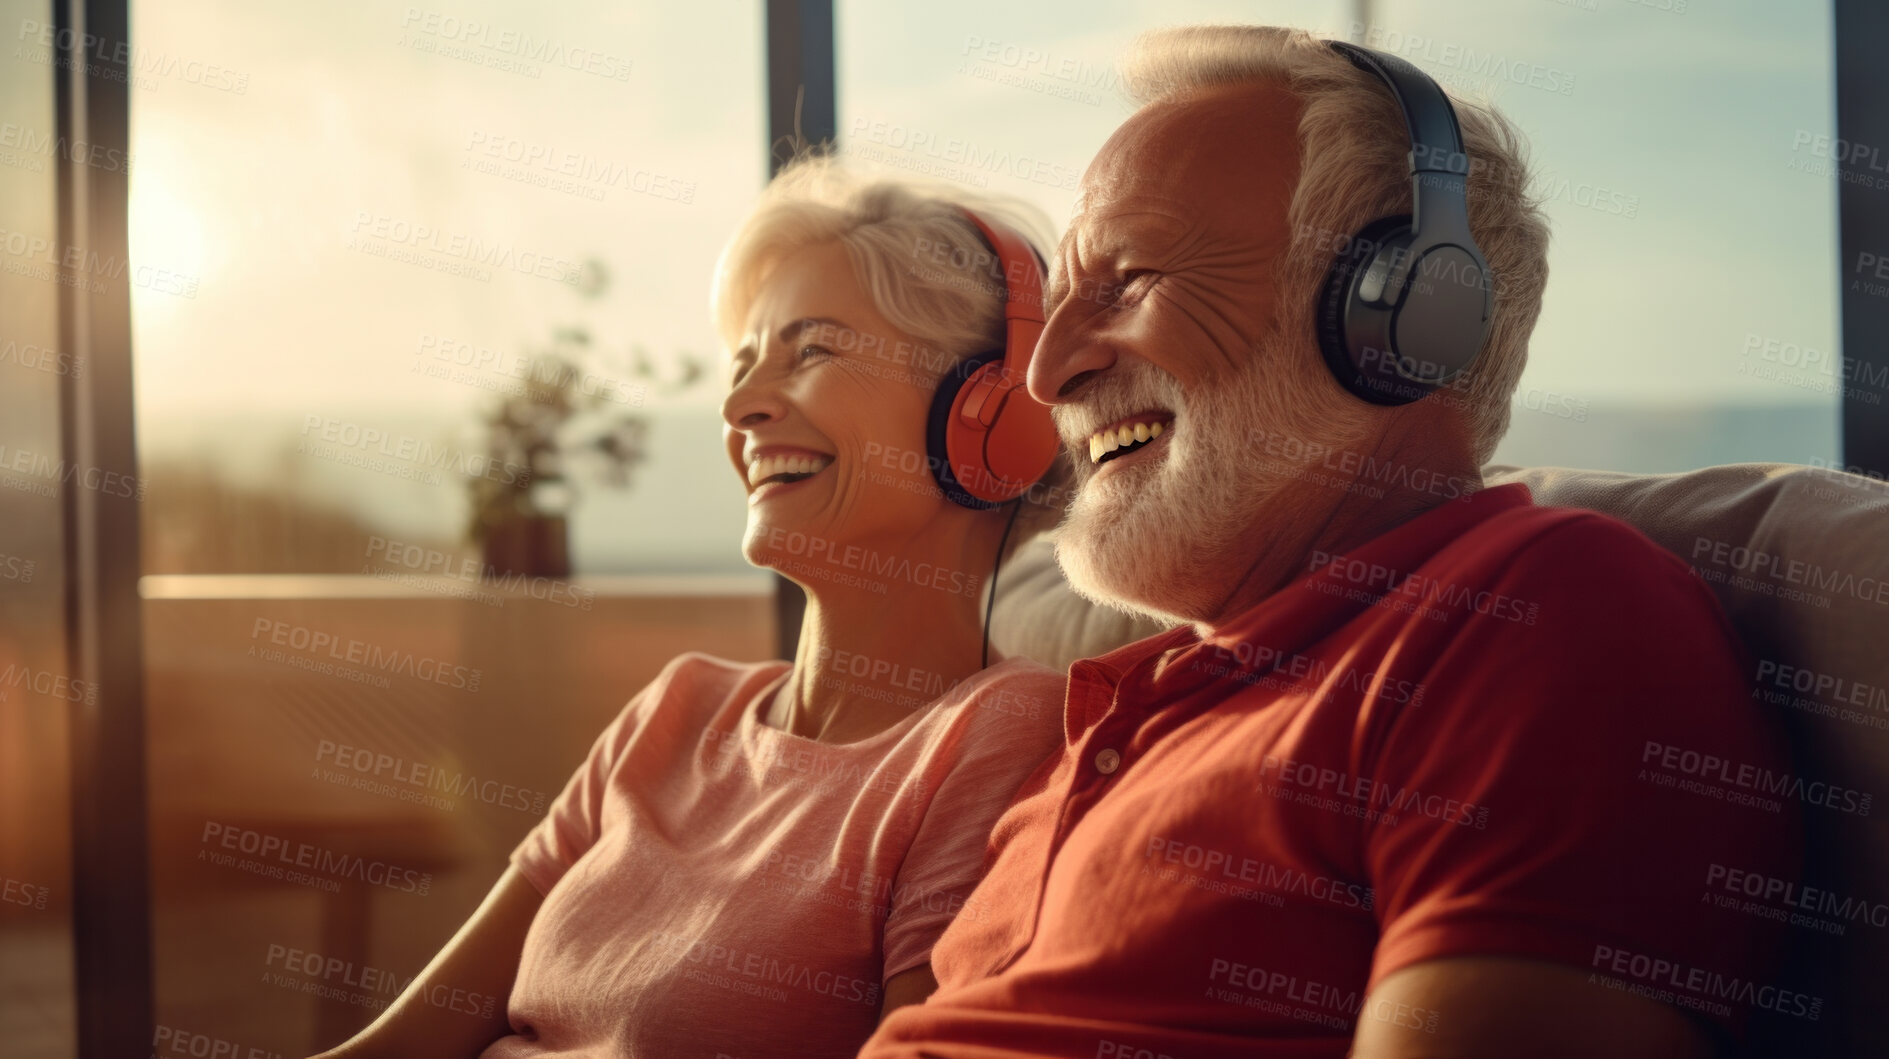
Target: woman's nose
{"type": "Point", "coordinates": [753, 402]}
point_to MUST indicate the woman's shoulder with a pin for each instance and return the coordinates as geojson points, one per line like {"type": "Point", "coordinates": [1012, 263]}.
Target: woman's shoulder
{"type": "Point", "coordinates": [1018, 700]}
{"type": "Point", "coordinates": [695, 683]}
{"type": "Point", "coordinates": [702, 667]}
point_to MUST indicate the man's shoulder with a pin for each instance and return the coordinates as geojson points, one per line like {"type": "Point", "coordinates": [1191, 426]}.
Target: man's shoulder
{"type": "Point", "coordinates": [1567, 549]}
{"type": "Point", "coordinates": [1583, 581]}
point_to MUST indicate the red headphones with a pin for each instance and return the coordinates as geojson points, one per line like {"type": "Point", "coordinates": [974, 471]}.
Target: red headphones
{"type": "Point", "coordinates": [991, 441]}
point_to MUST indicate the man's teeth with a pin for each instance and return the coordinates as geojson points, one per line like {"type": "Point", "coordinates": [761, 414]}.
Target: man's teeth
{"type": "Point", "coordinates": [768, 466]}
{"type": "Point", "coordinates": [1103, 442]}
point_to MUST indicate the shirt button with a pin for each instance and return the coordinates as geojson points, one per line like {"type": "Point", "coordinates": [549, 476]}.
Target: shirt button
{"type": "Point", "coordinates": [1107, 762]}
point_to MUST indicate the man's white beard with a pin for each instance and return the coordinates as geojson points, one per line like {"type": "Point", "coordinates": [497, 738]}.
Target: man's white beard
{"type": "Point", "coordinates": [1173, 545]}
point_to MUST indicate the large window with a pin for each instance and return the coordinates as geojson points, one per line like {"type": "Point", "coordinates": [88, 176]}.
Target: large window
{"type": "Point", "coordinates": [37, 1014]}
{"type": "Point", "coordinates": [363, 222]}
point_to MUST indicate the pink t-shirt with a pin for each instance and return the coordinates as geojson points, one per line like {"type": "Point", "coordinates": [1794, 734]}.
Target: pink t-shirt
{"type": "Point", "coordinates": [717, 887]}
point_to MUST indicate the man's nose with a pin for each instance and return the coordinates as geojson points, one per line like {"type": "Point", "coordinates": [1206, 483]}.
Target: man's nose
{"type": "Point", "coordinates": [1065, 356]}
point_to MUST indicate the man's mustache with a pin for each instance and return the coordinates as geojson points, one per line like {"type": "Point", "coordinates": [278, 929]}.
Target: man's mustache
{"type": "Point", "coordinates": [1107, 399]}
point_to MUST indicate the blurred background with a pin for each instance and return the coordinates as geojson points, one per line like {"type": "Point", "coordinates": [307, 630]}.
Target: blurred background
{"type": "Point", "coordinates": [404, 376]}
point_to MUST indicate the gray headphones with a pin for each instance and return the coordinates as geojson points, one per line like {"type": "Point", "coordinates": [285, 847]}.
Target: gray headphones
{"type": "Point", "coordinates": [1405, 307]}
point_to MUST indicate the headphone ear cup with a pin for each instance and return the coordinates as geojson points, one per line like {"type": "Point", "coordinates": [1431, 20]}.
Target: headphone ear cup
{"type": "Point", "coordinates": [1020, 446]}
{"type": "Point", "coordinates": [1354, 337]}
{"type": "Point", "coordinates": [977, 465]}
{"type": "Point", "coordinates": [940, 438]}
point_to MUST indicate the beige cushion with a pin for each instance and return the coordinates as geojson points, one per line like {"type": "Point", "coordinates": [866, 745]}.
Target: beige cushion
{"type": "Point", "coordinates": [1799, 558]}
{"type": "Point", "coordinates": [1039, 616]}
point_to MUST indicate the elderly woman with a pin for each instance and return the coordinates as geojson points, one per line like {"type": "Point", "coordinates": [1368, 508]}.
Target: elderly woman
{"type": "Point", "coordinates": [755, 858]}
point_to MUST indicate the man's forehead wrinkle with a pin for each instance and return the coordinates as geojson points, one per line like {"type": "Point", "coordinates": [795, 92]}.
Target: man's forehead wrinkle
{"type": "Point", "coordinates": [1142, 223]}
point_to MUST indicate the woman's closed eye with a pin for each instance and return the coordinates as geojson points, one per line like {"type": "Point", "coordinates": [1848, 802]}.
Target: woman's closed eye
{"type": "Point", "coordinates": [802, 355]}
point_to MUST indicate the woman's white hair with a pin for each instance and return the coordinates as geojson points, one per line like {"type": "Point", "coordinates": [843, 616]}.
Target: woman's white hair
{"type": "Point", "coordinates": [1353, 168]}
{"type": "Point", "coordinates": [925, 266]}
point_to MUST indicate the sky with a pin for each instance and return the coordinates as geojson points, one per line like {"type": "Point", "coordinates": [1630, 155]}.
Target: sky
{"type": "Point", "coordinates": [340, 198]}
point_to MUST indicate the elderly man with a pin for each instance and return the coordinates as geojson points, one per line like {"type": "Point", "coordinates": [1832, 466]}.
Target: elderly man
{"type": "Point", "coordinates": [1424, 770]}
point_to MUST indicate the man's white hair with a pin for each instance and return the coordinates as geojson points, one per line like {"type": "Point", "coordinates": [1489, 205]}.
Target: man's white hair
{"type": "Point", "coordinates": [1353, 168]}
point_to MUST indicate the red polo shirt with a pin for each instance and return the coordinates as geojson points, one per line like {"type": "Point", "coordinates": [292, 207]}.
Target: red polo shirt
{"type": "Point", "coordinates": [1497, 729]}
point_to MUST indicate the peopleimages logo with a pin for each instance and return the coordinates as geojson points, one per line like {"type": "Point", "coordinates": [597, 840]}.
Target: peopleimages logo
{"type": "Point", "coordinates": [511, 42]}
{"type": "Point", "coordinates": [1791, 572]}
{"type": "Point", "coordinates": [333, 978]}
{"type": "Point", "coordinates": [852, 557]}
{"type": "Point", "coordinates": [26, 895]}
{"type": "Point", "coordinates": [45, 144]}
{"type": "Point", "coordinates": [762, 970]}
{"type": "Point", "coordinates": [1270, 667]}
{"type": "Point", "coordinates": [423, 455]}
{"type": "Point", "coordinates": [373, 765]}
{"type": "Point", "coordinates": [49, 470]}
{"type": "Point", "coordinates": [955, 151]}
{"type": "Point", "coordinates": [1697, 765]}
{"type": "Point", "coordinates": [1823, 685]}
{"type": "Point", "coordinates": [170, 1040]}
{"type": "Point", "coordinates": [1478, 65]}
{"type": "Point", "coordinates": [1352, 793]}
{"type": "Point", "coordinates": [426, 561]}
{"type": "Point", "coordinates": [882, 671]}
{"type": "Point", "coordinates": [539, 163]}
{"type": "Point", "coordinates": [277, 857]}
{"type": "Point", "coordinates": [1348, 467]}
{"type": "Point", "coordinates": [103, 56]}
{"type": "Point", "coordinates": [1380, 578]}
{"type": "Point", "coordinates": [50, 684]}
{"type": "Point", "coordinates": [41, 358]}
{"type": "Point", "coordinates": [375, 233]}
{"type": "Point", "coordinates": [1277, 878]}
{"type": "Point", "coordinates": [1701, 988]}
{"type": "Point", "coordinates": [1796, 896]}
{"type": "Point", "coordinates": [361, 653]}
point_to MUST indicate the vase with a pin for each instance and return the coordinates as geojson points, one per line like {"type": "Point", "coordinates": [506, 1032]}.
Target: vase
{"type": "Point", "coordinates": [528, 546]}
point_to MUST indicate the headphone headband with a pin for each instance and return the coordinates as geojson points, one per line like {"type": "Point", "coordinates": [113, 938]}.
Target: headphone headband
{"type": "Point", "coordinates": [1436, 139]}
{"type": "Point", "coordinates": [1390, 340]}
{"type": "Point", "coordinates": [988, 439]}
{"type": "Point", "coordinates": [1022, 272]}
{"type": "Point", "coordinates": [1439, 168]}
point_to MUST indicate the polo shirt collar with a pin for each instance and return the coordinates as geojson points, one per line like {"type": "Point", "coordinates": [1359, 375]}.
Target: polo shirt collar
{"type": "Point", "coordinates": [1177, 663]}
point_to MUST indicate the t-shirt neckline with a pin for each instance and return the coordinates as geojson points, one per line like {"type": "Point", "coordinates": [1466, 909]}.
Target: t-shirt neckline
{"type": "Point", "coordinates": [752, 726]}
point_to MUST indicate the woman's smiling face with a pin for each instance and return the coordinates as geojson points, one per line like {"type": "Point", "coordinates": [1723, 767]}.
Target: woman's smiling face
{"type": "Point", "coordinates": [825, 417]}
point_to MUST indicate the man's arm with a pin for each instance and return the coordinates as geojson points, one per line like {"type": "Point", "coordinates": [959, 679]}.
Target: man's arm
{"type": "Point", "coordinates": [1493, 1007]}
{"type": "Point", "coordinates": [440, 1014]}
{"type": "Point", "coordinates": [907, 987]}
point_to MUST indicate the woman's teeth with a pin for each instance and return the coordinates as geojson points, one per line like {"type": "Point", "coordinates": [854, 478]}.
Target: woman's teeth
{"type": "Point", "coordinates": [1103, 442]}
{"type": "Point", "coordinates": [795, 467]}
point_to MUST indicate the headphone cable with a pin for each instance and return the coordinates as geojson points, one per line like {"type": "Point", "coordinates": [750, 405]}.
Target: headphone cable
{"type": "Point", "coordinates": [1015, 506]}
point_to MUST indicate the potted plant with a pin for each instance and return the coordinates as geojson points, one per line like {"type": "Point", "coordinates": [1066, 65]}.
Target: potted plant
{"type": "Point", "coordinates": [569, 421]}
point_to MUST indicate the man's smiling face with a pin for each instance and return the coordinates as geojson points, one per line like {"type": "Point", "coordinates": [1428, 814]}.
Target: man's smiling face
{"type": "Point", "coordinates": [1159, 358]}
